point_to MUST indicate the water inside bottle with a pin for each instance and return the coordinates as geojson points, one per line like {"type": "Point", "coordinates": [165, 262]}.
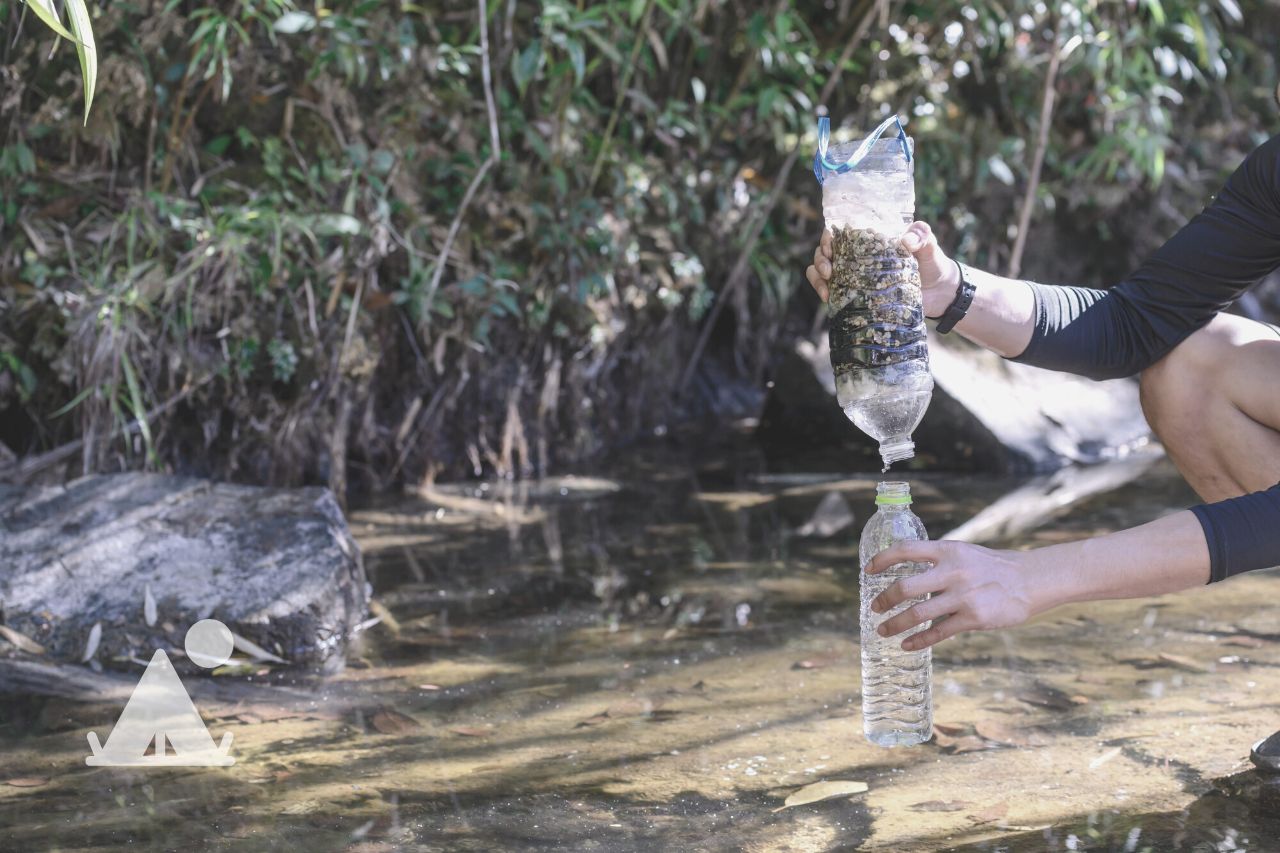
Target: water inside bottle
{"type": "Point", "coordinates": [897, 702]}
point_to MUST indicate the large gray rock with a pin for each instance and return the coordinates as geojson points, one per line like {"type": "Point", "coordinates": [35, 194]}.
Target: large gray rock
{"type": "Point", "coordinates": [987, 413]}
{"type": "Point", "coordinates": [278, 566]}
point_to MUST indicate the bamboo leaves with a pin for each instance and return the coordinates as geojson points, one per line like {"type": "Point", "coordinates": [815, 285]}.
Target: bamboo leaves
{"type": "Point", "coordinates": [86, 49]}
{"type": "Point", "coordinates": [81, 33]}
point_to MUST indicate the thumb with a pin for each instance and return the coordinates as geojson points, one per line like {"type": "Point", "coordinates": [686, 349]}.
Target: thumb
{"type": "Point", "coordinates": [920, 241]}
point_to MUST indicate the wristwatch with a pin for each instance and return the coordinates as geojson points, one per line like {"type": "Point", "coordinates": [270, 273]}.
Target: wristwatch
{"type": "Point", "coordinates": [959, 306]}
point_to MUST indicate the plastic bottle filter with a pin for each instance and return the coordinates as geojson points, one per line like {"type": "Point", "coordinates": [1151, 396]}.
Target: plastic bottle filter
{"type": "Point", "coordinates": [876, 316]}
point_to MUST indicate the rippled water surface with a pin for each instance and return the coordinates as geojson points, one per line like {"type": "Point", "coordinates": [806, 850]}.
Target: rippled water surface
{"type": "Point", "coordinates": [657, 658]}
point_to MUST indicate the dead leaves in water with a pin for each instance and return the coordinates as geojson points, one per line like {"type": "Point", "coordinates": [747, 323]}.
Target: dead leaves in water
{"type": "Point", "coordinates": [389, 721]}
{"type": "Point", "coordinates": [819, 791]}
{"type": "Point", "coordinates": [21, 641]}
{"type": "Point", "coordinates": [1243, 641]}
{"type": "Point", "coordinates": [26, 782]}
{"type": "Point", "coordinates": [983, 734]}
{"type": "Point", "coordinates": [1180, 662]}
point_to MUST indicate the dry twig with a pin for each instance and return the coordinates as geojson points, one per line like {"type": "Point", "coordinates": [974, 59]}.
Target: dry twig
{"type": "Point", "coordinates": [495, 154]}
{"type": "Point", "coordinates": [1037, 159]}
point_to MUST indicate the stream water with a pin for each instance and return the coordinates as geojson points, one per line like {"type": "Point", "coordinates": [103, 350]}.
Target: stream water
{"type": "Point", "coordinates": [656, 658]}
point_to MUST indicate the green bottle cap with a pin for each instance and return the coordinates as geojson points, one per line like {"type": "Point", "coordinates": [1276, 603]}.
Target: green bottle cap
{"type": "Point", "coordinates": [893, 494]}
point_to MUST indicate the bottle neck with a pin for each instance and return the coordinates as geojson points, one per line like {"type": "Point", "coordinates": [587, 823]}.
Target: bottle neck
{"type": "Point", "coordinates": [893, 494]}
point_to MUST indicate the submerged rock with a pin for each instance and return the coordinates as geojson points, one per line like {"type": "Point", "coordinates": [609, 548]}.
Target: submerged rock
{"type": "Point", "coordinates": [144, 556]}
{"type": "Point", "coordinates": [987, 412]}
{"type": "Point", "coordinates": [1265, 754]}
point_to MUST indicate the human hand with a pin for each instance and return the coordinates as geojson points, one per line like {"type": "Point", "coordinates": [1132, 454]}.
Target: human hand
{"type": "Point", "coordinates": [973, 589]}
{"type": "Point", "coordinates": [938, 274]}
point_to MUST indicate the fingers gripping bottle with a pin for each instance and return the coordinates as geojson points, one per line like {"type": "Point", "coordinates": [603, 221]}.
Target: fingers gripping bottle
{"type": "Point", "coordinates": [876, 316]}
{"type": "Point", "coordinates": [897, 697]}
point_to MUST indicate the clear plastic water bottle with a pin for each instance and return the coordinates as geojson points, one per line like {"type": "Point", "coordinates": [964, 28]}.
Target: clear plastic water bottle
{"type": "Point", "coordinates": [877, 332]}
{"type": "Point", "coordinates": [897, 700]}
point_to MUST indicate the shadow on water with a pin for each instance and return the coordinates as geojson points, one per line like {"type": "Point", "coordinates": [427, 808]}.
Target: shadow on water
{"type": "Point", "coordinates": [656, 661]}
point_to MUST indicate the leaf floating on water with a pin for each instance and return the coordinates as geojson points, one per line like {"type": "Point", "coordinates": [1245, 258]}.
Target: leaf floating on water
{"type": "Point", "coordinates": [940, 806]}
{"type": "Point", "coordinates": [1183, 662]}
{"type": "Point", "coordinates": [594, 720]}
{"type": "Point", "coordinates": [26, 782]}
{"type": "Point", "coordinates": [471, 731]}
{"type": "Point", "coordinates": [819, 791]}
{"type": "Point", "coordinates": [148, 606]}
{"type": "Point", "coordinates": [253, 650]}
{"type": "Point", "coordinates": [1243, 641]}
{"type": "Point", "coordinates": [389, 721]}
{"type": "Point", "coordinates": [22, 641]}
{"type": "Point", "coordinates": [952, 729]}
{"type": "Point", "coordinates": [91, 647]}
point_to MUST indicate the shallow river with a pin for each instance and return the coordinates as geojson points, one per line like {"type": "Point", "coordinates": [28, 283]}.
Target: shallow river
{"type": "Point", "coordinates": [657, 659]}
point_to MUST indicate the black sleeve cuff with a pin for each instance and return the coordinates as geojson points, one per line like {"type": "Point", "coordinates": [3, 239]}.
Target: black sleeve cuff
{"type": "Point", "coordinates": [1243, 533]}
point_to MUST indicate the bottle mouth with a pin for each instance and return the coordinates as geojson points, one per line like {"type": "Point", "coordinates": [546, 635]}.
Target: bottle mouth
{"type": "Point", "coordinates": [896, 451]}
{"type": "Point", "coordinates": [893, 494]}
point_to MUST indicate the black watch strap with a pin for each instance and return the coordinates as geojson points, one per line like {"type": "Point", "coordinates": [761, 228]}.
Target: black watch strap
{"type": "Point", "coordinates": [959, 306]}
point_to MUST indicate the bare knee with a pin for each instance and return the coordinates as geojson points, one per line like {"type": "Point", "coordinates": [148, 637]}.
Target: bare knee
{"type": "Point", "coordinates": [1176, 391]}
{"type": "Point", "coordinates": [1185, 386]}
{"type": "Point", "coordinates": [1188, 400]}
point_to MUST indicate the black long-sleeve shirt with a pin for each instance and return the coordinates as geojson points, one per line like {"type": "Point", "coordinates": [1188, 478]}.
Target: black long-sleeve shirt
{"type": "Point", "coordinates": [1200, 271]}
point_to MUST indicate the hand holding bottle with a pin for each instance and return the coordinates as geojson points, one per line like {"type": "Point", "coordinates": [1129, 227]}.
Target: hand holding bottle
{"type": "Point", "coordinates": [938, 274]}
{"type": "Point", "coordinates": [972, 589]}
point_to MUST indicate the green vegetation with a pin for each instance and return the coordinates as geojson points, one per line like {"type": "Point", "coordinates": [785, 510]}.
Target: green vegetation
{"type": "Point", "coordinates": [80, 33]}
{"type": "Point", "coordinates": [243, 248]}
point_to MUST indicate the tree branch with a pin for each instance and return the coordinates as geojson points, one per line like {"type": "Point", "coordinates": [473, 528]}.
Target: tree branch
{"type": "Point", "coordinates": [739, 272]}
{"type": "Point", "coordinates": [495, 154]}
{"type": "Point", "coordinates": [1037, 159]}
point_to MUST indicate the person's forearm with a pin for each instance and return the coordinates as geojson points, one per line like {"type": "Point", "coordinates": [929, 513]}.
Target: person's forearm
{"type": "Point", "coordinates": [1166, 555]}
{"type": "Point", "coordinates": [1001, 316]}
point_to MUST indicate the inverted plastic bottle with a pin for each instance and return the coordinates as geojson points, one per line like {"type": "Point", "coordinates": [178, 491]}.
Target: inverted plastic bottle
{"type": "Point", "coordinates": [897, 695]}
{"type": "Point", "coordinates": [878, 349]}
